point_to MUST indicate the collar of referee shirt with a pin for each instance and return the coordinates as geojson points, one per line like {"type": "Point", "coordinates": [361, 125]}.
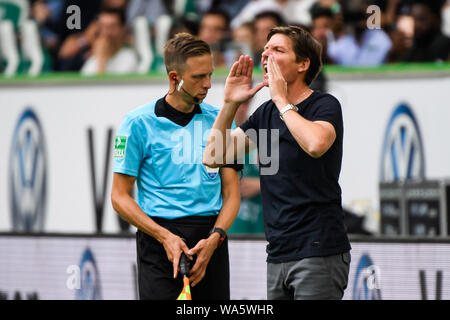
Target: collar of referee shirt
{"type": "Point", "coordinates": [164, 109]}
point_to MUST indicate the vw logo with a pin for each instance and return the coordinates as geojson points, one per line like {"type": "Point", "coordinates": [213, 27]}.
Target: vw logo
{"type": "Point", "coordinates": [27, 174]}
{"type": "Point", "coordinates": [367, 280]}
{"type": "Point", "coordinates": [402, 156]}
{"type": "Point", "coordinates": [89, 278]}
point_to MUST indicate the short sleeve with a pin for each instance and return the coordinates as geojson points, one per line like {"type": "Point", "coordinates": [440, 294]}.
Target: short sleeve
{"type": "Point", "coordinates": [328, 109]}
{"type": "Point", "coordinates": [128, 147]}
{"type": "Point", "coordinates": [252, 121]}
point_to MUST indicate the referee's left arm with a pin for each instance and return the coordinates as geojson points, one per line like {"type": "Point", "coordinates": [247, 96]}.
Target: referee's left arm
{"type": "Point", "coordinates": [230, 199]}
{"type": "Point", "coordinates": [230, 208]}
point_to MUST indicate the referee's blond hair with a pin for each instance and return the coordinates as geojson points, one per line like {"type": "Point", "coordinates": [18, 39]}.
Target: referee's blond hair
{"type": "Point", "coordinates": [181, 47]}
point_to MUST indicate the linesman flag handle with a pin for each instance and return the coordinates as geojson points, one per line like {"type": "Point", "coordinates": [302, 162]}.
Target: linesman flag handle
{"type": "Point", "coordinates": [184, 270]}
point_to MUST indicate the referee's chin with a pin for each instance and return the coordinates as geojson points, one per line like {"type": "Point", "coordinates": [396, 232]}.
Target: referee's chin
{"type": "Point", "coordinates": [200, 98]}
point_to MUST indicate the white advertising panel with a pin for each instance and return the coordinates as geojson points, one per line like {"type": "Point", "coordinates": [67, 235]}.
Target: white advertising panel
{"type": "Point", "coordinates": [43, 267]}
{"type": "Point", "coordinates": [57, 140]}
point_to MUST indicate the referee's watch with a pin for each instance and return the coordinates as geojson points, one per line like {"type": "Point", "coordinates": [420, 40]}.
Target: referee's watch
{"type": "Point", "coordinates": [223, 234]}
{"type": "Point", "coordinates": [286, 109]}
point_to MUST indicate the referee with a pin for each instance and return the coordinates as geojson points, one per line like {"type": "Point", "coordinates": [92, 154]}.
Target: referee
{"type": "Point", "coordinates": [182, 205]}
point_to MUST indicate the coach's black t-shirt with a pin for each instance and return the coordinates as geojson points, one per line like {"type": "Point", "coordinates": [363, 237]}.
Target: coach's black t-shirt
{"type": "Point", "coordinates": [303, 214]}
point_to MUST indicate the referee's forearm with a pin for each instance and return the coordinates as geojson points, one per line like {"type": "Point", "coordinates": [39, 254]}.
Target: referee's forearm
{"type": "Point", "coordinates": [128, 209]}
{"type": "Point", "coordinates": [228, 213]}
{"type": "Point", "coordinates": [230, 199]}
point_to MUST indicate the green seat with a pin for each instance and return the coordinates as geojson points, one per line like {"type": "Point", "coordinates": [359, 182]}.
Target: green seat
{"type": "Point", "coordinates": [14, 10]}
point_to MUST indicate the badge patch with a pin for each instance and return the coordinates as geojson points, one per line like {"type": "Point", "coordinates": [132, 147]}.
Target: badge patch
{"type": "Point", "coordinates": [212, 172]}
{"type": "Point", "coordinates": [120, 146]}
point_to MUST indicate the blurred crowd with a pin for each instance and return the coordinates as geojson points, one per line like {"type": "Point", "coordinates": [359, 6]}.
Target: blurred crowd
{"type": "Point", "coordinates": [351, 35]}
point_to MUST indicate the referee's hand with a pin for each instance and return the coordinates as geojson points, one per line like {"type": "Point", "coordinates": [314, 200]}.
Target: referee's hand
{"type": "Point", "coordinates": [174, 245]}
{"type": "Point", "coordinates": [204, 250]}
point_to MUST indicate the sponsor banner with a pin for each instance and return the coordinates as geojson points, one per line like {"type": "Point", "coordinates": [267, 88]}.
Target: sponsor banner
{"type": "Point", "coordinates": [58, 144]}
{"type": "Point", "coordinates": [96, 268]}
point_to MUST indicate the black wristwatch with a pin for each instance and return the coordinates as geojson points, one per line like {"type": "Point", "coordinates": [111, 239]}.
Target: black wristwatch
{"type": "Point", "coordinates": [223, 235]}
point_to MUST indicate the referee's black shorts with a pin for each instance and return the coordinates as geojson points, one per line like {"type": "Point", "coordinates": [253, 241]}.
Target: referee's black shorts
{"type": "Point", "coordinates": [155, 271]}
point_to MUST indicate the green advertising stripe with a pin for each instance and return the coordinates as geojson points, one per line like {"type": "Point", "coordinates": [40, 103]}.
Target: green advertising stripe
{"type": "Point", "coordinates": [75, 77]}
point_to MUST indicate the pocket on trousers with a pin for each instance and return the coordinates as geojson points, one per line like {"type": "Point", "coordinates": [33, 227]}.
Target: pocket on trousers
{"type": "Point", "coordinates": [346, 258]}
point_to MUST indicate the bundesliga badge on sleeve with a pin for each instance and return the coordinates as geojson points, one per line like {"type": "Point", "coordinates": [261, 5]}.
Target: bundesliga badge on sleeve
{"type": "Point", "coordinates": [212, 172]}
{"type": "Point", "coordinates": [120, 145]}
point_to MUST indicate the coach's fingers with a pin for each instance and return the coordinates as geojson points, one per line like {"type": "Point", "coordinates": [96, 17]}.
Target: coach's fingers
{"type": "Point", "coordinates": [276, 69]}
{"type": "Point", "coordinates": [245, 65]}
{"type": "Point", "coordinates": [233, 69]}
{"type": "Point", "coordinates": [249, 71]}
{"type": "Point", "coordinates": [257, 87]}
{"type": "Point", "coordinates": [270, 71]}
{"type": "Point", "coordinates": [240, 66]}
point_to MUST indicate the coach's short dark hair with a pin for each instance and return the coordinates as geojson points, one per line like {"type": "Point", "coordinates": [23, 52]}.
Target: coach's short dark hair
{"type": "Point", "coordinates": [181, 47]}
{"type": "Point", "coordinates": [305, 47]}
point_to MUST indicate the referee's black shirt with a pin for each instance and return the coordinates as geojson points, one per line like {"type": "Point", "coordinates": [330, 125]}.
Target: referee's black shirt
{"type": "Point", "coordinates": [303, 214]}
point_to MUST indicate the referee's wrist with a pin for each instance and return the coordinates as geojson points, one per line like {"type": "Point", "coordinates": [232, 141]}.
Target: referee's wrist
{"type": "Point", "coordinates": [214, 237]}
{"type": "Point", "coordinates": [219, 235]}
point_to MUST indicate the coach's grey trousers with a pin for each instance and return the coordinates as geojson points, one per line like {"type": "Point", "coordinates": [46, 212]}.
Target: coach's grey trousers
{"type": "Point", "coordinates": [315, 278]}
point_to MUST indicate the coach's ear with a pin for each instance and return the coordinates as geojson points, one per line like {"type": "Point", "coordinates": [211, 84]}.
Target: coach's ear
{"type": "Point", "coordinates": [303, 65]}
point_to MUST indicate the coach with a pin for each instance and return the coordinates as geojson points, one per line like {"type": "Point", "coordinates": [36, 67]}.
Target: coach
{"type": "Point", "coordinates": [182, 205]}
{"type": "Point", "coordinates": [308, 250]}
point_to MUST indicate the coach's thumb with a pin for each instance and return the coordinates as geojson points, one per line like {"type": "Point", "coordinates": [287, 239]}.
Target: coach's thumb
{"type": "Point", "coordinates": [256, 88]}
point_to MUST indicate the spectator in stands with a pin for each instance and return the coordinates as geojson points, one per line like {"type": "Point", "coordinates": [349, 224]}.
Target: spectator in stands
{"type": "Point", "coordinates": [401, 34]}
{"type": "Point", "coordinates": [66, 46]}
{"type": "Point", "coordinates": [429, 43]}
{"type": "Point", "coordinates": [151, 9]}
{"type": "Point", "coordinates": [184, 24]}
{"type": "Point", "coordinates": [322, 26]}
{"type": "Point", "coordinates": [253, 8]}
{"type": "Point", "coordinates": [263, 22]}
{"type": "Point", "coordinates": [446, 18]}
{"type": "Point", "coordinates": [231, 7]}
{"type": "Point", "coordinates": [108, 54]}
{"type": "Point", "coordinates": [297, 12]}
{"type": "Point", "coordinates": [243, 38]}
{"type": "Point", "coordinates": [361, 46]}
{"type": "Point", "coordinates": [45, 14]}
{"type": "Point", "coordinates": [215, 31]}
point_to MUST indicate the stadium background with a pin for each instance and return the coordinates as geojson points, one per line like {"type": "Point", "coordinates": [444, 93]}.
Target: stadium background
{"type": "Point", "coordinates": [61, 239]}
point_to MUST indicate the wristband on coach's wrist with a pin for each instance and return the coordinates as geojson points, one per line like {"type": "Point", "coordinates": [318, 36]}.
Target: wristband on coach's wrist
{"type": "Point", "coordinates": [223, 235]}
{"type": "Point", "coordinates": [286, 109]}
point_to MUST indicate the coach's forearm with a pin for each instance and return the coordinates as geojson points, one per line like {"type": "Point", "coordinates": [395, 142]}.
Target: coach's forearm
{"type": "Point", "coordinates": [312, 137]}
{"type": "Point", "coordinates": [219, 138]}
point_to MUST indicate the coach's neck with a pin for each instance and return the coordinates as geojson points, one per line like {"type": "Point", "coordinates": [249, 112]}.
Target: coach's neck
{"type": "Point", "coordinates": [296, 89]}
